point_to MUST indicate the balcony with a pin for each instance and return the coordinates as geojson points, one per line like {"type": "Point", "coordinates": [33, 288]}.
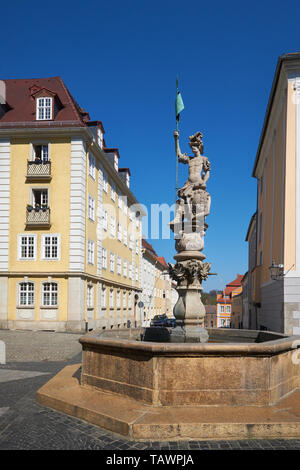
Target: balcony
{"type": "Point", "coordinates": [38, 216]}
{"type": "Point", "coordinates": [38, 170]}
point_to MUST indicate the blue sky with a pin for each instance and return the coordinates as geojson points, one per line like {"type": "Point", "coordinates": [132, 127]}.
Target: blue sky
{"type": "Point", "coordinates": [120, 61]}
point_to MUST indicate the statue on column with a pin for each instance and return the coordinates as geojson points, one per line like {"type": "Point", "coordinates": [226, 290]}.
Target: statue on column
{"type": "Point", "coordinates": [189, 227]}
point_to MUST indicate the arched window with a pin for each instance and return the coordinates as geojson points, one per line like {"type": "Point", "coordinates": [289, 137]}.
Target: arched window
{"type": "Point", "coordinates": [26, 293]}
{"type": "Point", "coordinates": [49, 294]}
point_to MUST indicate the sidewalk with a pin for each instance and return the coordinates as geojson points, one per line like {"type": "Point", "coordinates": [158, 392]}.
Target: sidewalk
{"type": "Point", "coordinates": [32, 359]}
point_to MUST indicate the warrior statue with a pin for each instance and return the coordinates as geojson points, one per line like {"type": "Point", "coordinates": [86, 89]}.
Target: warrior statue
{"type": "Point", "coordinates": [194, 201]}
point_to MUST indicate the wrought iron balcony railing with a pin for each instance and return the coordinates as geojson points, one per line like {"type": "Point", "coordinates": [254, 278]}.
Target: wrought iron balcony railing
{"type": "Point", "coordinates": [38, 216]}
{"type": "Point", "coordinates": [39, 170]}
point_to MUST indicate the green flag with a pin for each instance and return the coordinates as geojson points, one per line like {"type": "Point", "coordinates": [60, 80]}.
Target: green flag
{"type": "Point", "coordinates": [179, 106]}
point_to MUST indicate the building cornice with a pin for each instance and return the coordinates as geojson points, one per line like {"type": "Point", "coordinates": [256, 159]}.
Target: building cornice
{"type": "Point", "coordinates": [67, 274]}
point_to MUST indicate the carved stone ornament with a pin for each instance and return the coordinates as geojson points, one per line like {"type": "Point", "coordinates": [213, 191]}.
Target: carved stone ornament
{"type": "Point", "coordinates": [191, 271]}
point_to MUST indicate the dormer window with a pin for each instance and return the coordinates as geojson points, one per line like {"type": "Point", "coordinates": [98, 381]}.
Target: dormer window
{"type": "Point", "coordinates": [44, 109]}
{"type": "Point", "coordinates": [116, 162]}
{"type": "Point", "coordinates": [100, 138]}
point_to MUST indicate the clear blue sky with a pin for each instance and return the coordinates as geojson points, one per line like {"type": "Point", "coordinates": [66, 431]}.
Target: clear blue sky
{"type": "Point", "coordinates": [120, 61]}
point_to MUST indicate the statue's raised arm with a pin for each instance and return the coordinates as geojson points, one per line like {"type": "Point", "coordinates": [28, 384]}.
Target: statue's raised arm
{"type": "Point", "coordinates": [182, 157]}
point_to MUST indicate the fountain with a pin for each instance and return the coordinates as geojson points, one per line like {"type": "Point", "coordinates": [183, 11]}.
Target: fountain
{"type": "Point", "coordinates": [196, 383]}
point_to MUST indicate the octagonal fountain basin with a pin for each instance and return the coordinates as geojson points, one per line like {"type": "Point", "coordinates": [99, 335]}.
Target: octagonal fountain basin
{"type": "Point", "coordinates": [236, 367]}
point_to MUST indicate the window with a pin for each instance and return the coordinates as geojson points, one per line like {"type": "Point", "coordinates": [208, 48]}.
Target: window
{"type": "Point", "coordinates": [111, 299]}
{"type": "Point", "coordinates": [104, 218]}
{"type": "Point", "coordinates": [130, 271]}
{"type": "Point", "coordinates": [228, 308]}
{"type": "Point", "coordinates": [125, 268]}
{"type": "Point", "coordinates": [103, 297]}
{"type": "Point", "coordinates": [124, 299]}
{"type": "Point", "coordinates": [104, 258]}
{"type": "Point", "coordinates": [119, 232]}
{"type": "Point", "coordinates": [26, 293]}
{"type": "Point", "coordinates": [120, 200]}
{"type": "Point", "coordinates": [130, 241]}
{"type": "Point", "coordinates": [223, 322]}
{"type": "Point", "coordinates": [112, 226]}
{"type": "Point", "coordinates": [105, 182]}
{"type": "Point", "coordinates": [92, 166]}
{"type": "Point", "coordinates": [100, 138]}
{"type": "Point", "coordinates": [91, 208]}
{"type": "Point", "coordinates": [91, 252]}
{"type": "Point", "coordinates": [27, 247]}
{"type": "Point", "coordinates": [137, 247]}
{"type": "Point", "coordinates": [41, 153]}
{"type": "Point", "coordinates": [112, 262]}
{"type": "Point", "coordinates": [125, 236]}
{"type": "Point", "coordinates": [125, 204]}
{"type": "Point", "coordinates": [118, 299]}
{"type": "Point", "coordinates": [136, 273]}
{"type": "Point", "coordinates": [222, 309]}
{"type": "Point", "coordinates": [40, 197]}
{"type": "Point", "coordinates": [113, 191]}
{"type": "Point", "coordinates": [130, 300]}
{"type": "Point", "coordinates": [44, 109]}
{"type": "Point", "coordinates": [49, 294]}
{"type": "Point", "coordinates": [50, 247]}
{"type": "Point", "coordinates": [119, 265]}
{"type": "Point", "coordinates": [90, 296]}
{"type": "Point", "coordinates": [116, 162]}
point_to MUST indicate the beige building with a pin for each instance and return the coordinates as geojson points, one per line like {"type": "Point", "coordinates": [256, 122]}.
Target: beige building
{"type": "Point", "coordinates": [70, 226]}
{"type": "Point", "coordinates": [157, 295]}
{"type": "Point", "coordinates": [276, 225]}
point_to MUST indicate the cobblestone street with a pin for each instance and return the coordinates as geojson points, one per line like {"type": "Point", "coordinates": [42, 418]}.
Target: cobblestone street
{"type": "Point", "coordinates": [32, 358]}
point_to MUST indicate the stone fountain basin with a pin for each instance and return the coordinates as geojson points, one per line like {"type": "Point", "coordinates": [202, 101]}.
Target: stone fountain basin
{"type": "Point", "coordinates": [236, 368]}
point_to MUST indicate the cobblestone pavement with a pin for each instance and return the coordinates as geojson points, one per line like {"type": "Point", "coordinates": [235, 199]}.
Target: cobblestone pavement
{"type": "Point", "coordinates": [32, 359]}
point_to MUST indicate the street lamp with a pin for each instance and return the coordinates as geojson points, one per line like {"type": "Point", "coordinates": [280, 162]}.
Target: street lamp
{"type": "Point", "coordinates": [276, 271]}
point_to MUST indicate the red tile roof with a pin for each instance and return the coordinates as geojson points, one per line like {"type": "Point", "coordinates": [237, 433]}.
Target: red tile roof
{"type": "Point", "coordinates": [237, 282]}
{"type": "Point", "coordinates": [222, 300]}
{"type": "Point", "coordinates": [149, 247]}
{"type": "Point", "coordinates": [162, 260]}
{"type": "Point", "coordinates": [21, 105]}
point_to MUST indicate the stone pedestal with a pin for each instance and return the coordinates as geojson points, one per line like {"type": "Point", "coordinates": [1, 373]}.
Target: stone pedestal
{"type": "Point", "coordinates": [189, 311]}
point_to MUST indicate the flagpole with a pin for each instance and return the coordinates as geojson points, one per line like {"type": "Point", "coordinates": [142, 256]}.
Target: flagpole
{"type": "Point", "coordinates": [177, 125]}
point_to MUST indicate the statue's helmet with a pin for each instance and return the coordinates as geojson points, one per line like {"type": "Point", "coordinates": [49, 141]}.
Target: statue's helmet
{"type": "Point", "coordinates": [196, 141]}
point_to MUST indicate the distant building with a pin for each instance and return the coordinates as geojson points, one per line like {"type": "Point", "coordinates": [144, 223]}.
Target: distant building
{"type": "Point", "coordinates": [275, 301]}
{"type": "Point", "coordinates": [224, 302]}
{"type": "Point", "coordinates": [237, 310]}
{"type": "Point", "coordinates": [210, 317]}
{"type": "Point", "coordinates": [156, 284]}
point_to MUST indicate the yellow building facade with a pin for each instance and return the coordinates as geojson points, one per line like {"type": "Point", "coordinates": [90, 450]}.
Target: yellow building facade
{"type": "Point", "coordinates": [274, 303]}
{"type": "Point", "coordinates": [70, 234]}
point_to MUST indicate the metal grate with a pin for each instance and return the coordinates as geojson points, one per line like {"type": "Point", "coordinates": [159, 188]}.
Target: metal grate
{"type": "Point", "coordinates": [39, 169]}
{"type": "Point", "coordinates": [38, 217]}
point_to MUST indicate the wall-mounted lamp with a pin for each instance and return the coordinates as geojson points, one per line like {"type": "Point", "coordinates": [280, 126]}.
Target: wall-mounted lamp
{"type": "Point", "coordinates": [276, 271]}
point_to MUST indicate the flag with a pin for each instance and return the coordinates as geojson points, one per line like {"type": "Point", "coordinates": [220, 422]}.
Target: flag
{"type": "Point", "coordinates": [179, 106]}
